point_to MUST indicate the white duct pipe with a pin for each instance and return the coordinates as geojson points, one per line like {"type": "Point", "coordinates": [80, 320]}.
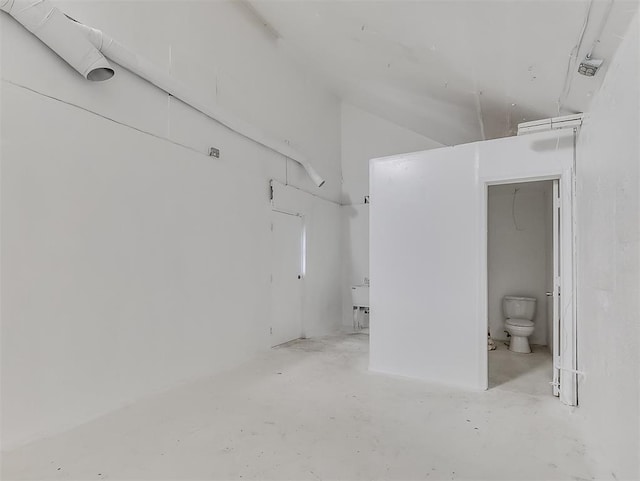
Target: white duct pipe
{"type": "Point", "coordinates": [83, 48]}
{"type": "Point", "coordinates": [51, 26]}
{"type": "Point", "coordinates": [128, 59]}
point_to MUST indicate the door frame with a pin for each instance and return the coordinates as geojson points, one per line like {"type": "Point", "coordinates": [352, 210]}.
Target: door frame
{"type": "Point", "coordinates": [568, 331]}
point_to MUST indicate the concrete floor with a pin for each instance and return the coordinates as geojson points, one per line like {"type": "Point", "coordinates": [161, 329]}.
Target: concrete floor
{"type": "Point", "coordinates": [521, 373]}
{"type": "Point", "coordinates": [311, 410]}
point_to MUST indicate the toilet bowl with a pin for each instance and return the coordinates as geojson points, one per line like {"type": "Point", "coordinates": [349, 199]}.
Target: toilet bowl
{"type": "Point", "coordinates": [519, 313]}
{"type": "Point", "coordinates": [519, 330]}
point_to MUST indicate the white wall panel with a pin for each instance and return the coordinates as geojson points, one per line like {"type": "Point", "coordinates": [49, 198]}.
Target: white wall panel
{"type": "Point", "coordinates": [609, 265]}
{"type": "Point", "coordinates": [365, 136]}
{"type": "Point", "coordinates": [129, 263]}
{"type": "Point", "coordinates": [428, 251]}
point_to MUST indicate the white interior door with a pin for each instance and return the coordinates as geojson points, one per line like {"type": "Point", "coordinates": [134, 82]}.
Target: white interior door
{"type": "Point", "coordinates": [286, 279]}
{"type": "Point", "coordinates": [555, 292]}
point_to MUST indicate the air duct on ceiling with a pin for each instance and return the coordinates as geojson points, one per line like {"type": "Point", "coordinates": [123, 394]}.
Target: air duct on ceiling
{"type": "Point", "coordinates": [51, 26]}
{"type": "Point", "coordinates": [83, 48]}
{"type": "Point", "coordinates": [137, 64]}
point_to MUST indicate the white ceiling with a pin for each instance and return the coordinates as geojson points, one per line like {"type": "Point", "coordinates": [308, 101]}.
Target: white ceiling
{"type": "Point", "coordinates": [455, 71]}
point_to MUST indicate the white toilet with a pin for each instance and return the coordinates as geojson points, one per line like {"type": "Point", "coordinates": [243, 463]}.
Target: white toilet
{"type": "Point", "coordinates": [519, 313]}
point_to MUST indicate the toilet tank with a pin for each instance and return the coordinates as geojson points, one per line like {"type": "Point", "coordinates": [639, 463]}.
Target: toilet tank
{"type": "Point", "coordinates": [515, 307]}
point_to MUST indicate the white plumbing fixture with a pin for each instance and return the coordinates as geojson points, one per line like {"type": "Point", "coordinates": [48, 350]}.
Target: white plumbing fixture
{"type": "Point", "coordinates": [84, 48]}
{"type": "Point", "coordinates": [519, 313]}
{"type": "Point", "coordinates": [360, 297]}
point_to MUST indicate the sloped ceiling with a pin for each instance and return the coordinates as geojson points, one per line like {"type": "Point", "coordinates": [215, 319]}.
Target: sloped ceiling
{"type": "Point", "coordinates": [455, 71]}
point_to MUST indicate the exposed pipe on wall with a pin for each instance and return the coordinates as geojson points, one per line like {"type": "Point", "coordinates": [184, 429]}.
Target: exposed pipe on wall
{"type": "Point", "coordinates": [49, 24]}
{"type": "Point", "coordinates": [74, 42]}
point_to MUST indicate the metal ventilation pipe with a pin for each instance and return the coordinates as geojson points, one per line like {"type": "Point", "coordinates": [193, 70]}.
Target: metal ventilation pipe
{"type": "Point", "coordinates": [140, 66]}
{"type": "Point", "coordinates": [83, 48]}
{"type": "Point", "coordinates": [50, 25]}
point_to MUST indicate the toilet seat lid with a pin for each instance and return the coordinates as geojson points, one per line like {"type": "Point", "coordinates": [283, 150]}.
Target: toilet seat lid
{"type": "Point", "coordinates": [520, 298]}
{"type": "Point", "coordinates": [519, 322]}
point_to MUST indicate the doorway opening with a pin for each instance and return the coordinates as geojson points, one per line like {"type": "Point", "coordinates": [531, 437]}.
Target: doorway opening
{"type": "Point", "coordinates": [523, 272]}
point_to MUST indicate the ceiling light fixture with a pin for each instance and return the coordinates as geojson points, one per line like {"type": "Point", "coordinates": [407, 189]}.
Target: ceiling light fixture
{"type": "Point", "coordinates": [589, 66]}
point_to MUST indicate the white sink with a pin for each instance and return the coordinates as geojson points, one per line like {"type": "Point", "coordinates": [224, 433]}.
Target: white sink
{"type": "Point", "coordinates": [360, 296]}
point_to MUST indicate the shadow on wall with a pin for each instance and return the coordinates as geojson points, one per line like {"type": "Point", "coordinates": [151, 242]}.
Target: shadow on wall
{"type": "Point", "coordinates": [552, 144]}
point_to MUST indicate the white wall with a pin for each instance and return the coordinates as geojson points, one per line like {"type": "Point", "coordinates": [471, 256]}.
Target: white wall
{"type": "Point", "coordinates": [428, 251]}
{"type": "Point", "coordinates": [609, 265]}
{"type": "Point", "coordinates": [131, 263]}
{"type": "Point", "coordinates": [364, 137]}
{"type": "Point", "coordinates": [519, 257]}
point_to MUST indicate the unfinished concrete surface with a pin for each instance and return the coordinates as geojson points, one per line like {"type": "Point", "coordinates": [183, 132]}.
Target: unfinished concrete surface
{"type": "Point", "coordinates": [311, 410]}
